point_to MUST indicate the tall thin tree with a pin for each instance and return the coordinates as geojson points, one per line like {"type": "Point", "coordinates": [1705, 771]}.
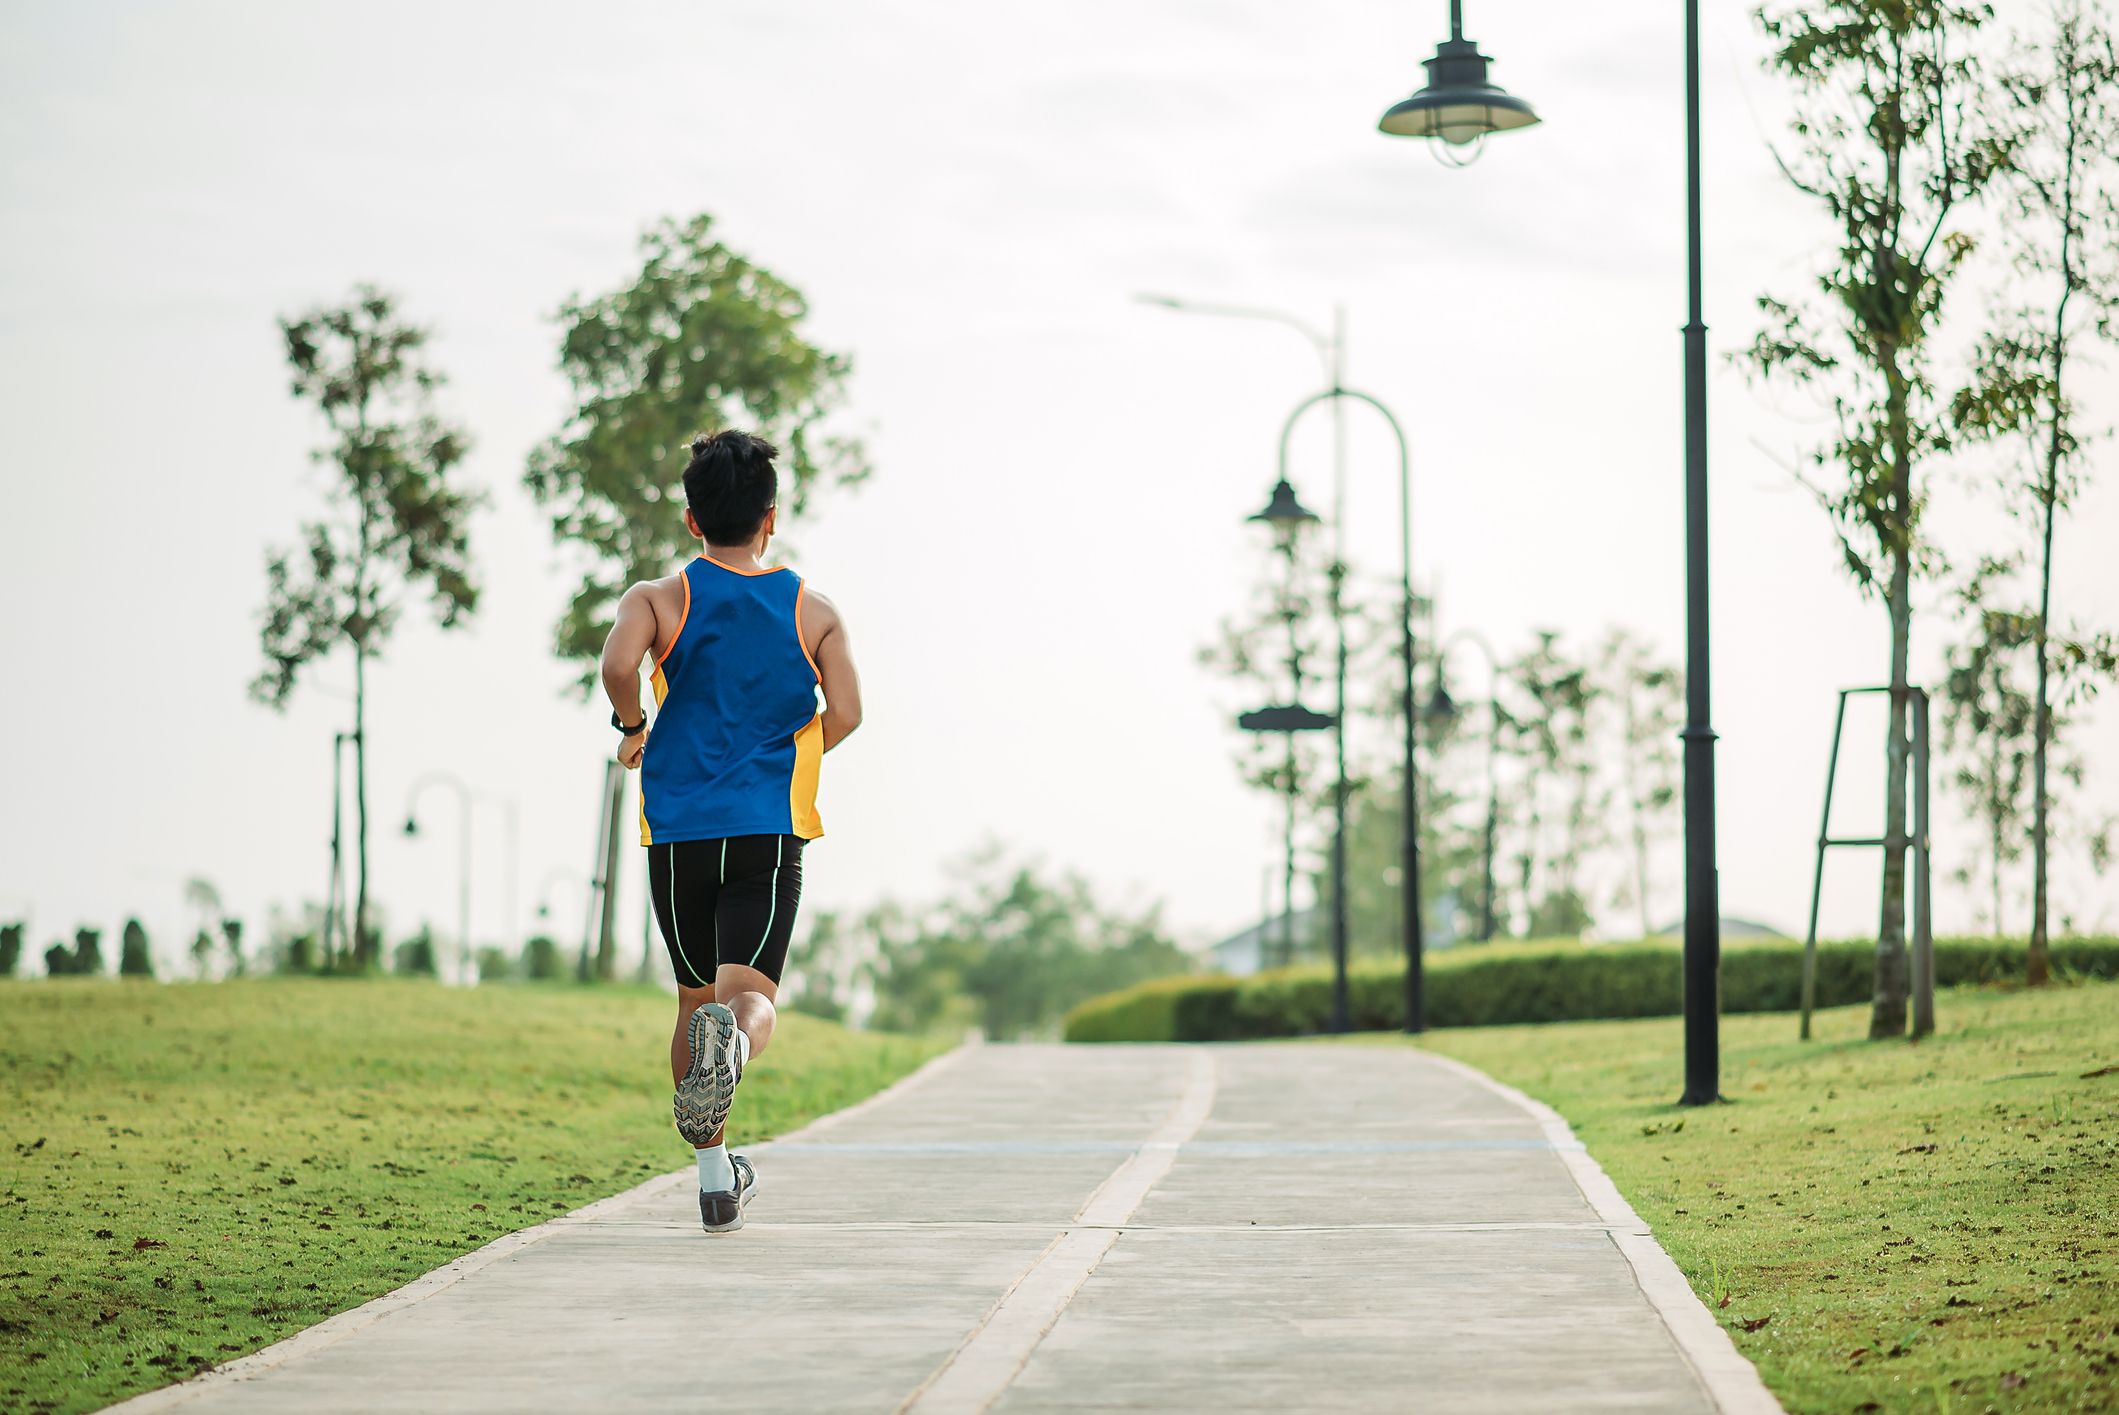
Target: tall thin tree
{"type": "Point", "coordinates": [397, 524]}
{"type": "Point", "coordinates": [2061, 94]}
{"type": "Point", "coordinates": [1650, 697]}
{"type": "Point", "coordinates": [702, 338]}
{"type": "Point", "coordinates": [1986, 720]}
{"type": "Point", "coordinates": [1890, 142]}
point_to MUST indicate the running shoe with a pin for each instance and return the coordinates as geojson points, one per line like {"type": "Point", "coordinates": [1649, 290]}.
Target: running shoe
{"type": "Point", "coordinates": [709, 1084]}
{"type": "Point", "coordinates": [722, 1212]}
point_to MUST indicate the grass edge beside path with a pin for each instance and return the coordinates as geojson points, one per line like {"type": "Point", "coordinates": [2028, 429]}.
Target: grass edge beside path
{"type": "Point", "coordinates": [1891, 1226]}
{"type": "Point", "coordinates": [191, 1172]}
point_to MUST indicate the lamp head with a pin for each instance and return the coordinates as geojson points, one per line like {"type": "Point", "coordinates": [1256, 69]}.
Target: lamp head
{"type": "Point", "coordinates": [1285, 513]}
{"type": "Point", "coordinates": [1441, 708]}
{"type": "Point", "coordinates": [1458, 104]}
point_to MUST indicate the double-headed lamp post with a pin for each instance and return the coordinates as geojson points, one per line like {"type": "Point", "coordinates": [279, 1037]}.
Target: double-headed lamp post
{"type": "Point", "coordinates": [1283, 505]}
{"type": "Point", "coordinates": [1288, 518]}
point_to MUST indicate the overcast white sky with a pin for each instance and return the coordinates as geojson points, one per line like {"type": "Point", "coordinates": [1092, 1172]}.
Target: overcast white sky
{"type": "Point", "coordinates": [969, 195]}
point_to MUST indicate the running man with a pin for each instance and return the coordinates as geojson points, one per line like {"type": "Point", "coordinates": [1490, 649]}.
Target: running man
{"type": "Point", "coordinates": [728, 791]}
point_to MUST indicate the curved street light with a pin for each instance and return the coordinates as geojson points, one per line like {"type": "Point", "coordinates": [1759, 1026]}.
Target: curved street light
{"type": "Point", "coordinates": [466, 798]}
{"type": "Point", "coordinates": [1415, 1003]}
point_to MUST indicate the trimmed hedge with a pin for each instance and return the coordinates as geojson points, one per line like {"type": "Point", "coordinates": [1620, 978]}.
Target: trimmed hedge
{"type": "Point", "coordinates": [1481, 986]}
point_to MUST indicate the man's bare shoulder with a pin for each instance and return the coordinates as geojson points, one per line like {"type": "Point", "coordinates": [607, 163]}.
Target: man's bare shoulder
{"type": "Point", "coordinates": [666, 593]}
{"type": "Point", "coordinates": [818, 608]}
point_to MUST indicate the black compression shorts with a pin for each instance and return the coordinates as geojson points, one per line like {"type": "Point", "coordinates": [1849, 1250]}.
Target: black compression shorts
{"type": "Point", "coordinates": [726, 901]}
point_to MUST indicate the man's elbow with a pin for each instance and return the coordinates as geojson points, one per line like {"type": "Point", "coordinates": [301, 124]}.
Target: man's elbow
{"type": "Point", "coordinates": [839, 723]}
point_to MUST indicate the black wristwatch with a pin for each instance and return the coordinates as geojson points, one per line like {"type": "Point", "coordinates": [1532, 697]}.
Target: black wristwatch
{"type": "Point", "coordinates": [635, 730]}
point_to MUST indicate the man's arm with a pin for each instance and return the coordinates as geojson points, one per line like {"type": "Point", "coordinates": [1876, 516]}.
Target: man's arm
{"type": "Point", "coordinates": [632, 639]}
{"type": "Point", "coordinates": [841, 681]}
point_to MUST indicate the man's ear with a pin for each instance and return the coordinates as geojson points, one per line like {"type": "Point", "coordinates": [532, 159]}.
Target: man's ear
{"type": "Point", "coordinates": [772, 522]}
{"type": "Point", "coordinates": [692, 525]}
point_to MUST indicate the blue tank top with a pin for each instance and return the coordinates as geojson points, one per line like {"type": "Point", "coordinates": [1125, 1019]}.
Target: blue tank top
{"type": "Point", "coordinates": [737, 742]}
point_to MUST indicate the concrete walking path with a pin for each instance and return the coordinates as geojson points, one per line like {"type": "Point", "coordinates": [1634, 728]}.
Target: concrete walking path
{"type": "Point", "coordinates": [1021, 1229]}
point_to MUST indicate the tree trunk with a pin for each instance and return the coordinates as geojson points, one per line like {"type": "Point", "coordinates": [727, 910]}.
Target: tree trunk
{"type": "Point", "coordinates": [1640, 814]}
{"type": "Point", "coordinates": [2037, 964]}
{"type": "Point", "coordinates": [1287, 882]}
{"type": "Point", "coordinates": [365, 949]}
{"type": "Point", "coordinates": [1997, 769]}
{"type": "Point", "coordinates": [363, 939]}
{"type": "Point", "coordinates": [1887, 1013]}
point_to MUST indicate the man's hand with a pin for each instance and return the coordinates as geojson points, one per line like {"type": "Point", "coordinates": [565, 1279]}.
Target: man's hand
{"type": "Point", "coordinates": [630, 749]}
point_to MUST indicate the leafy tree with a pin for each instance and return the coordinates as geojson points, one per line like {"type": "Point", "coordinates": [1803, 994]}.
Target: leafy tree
{"type": "Point", "coordinates": [1986, 721]}
{"type": "Point", "coordinates": [822, 966]}
{"type": "Point", "coordinates": [397, 525]}
{"type": "Point", "coordinates": [1451, 862]}
{"type": "Point", "coordinates": [205, 903]}
{"type": "Point", "coordinates": [1650, 696]}
{"type": "Point", "coordinates": [702, 338]}
{"type": "Point", "coordinates": [542, 960]}
{"type": "Point", "coordinates": [2062, 96]}
{"type": "Point", "coordinates": [416, 955]}
{"type": "Point", "coordinates": [1547, 716]}
{"type": "Point", "coordinates": [1888, 142]}
{"type": "Point", "coordinates": [11, 947]}
{"type": "Point", "coordinates": [232, 939]}
{"type": "Point", "coordinates": [1013, 951]}
{"type": "Point", "coordinates": [83, 960]}
{"type": "Point", "coordinates": [916, 968]}
{"type": "Point", "coordinates": [135, 958]}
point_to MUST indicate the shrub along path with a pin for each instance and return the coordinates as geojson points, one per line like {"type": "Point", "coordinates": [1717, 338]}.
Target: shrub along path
{"type": "Point", "coordinates": [1485, 985]}
{"type": "Point", "coordinates": [188, 1172]}
{"type": "Point", "coordinates": [1881, 1226]}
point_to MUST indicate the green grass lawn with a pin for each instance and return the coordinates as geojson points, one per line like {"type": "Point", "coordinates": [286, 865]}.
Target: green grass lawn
{"type": "Point", "coordinates": [191, 1172]}
{"type": "Point", "coordinates": [1881, 1226]}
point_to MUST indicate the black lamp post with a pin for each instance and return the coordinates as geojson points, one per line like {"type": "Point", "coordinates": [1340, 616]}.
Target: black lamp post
{"type": "Point", "coordinates": [1458, 104]}
{"type": "Point", "coordinates": [1289, 519]}
{"type": "Point", "coordinates": [1415, 1004]}
{"type": "Point", "coordinates": [1460, 107]}
{"type": "Point", "coordinates": [1703, 910]}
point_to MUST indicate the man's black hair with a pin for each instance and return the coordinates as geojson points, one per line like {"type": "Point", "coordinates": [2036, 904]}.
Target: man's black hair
{"type": "Point", "coordinates": [730, 485]}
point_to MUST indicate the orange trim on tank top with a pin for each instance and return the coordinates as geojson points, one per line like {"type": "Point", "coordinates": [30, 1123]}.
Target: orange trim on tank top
{"type": "Point", "coordinates": [681, 620]}
{"type": "Point", "coordinates": [765, 570]}
{"type": "Point", "coordinates": [801, 638]}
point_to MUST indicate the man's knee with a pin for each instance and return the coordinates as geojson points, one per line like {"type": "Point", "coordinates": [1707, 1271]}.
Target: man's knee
{"type": "Point", "coordinates": [732, 980]}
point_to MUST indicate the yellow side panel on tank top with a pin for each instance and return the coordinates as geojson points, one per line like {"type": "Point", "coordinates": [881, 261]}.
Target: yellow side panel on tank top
{"type": "Point", "coordinates": [662, 690]}
{"type": "Point", "coordinates": [802, 787]}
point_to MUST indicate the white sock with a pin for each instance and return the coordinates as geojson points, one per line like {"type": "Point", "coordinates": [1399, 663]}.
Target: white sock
{"type": "Point", "coordinates": [716, 1174]}
{"type": "Point", "coordinates": [742, 1050]}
